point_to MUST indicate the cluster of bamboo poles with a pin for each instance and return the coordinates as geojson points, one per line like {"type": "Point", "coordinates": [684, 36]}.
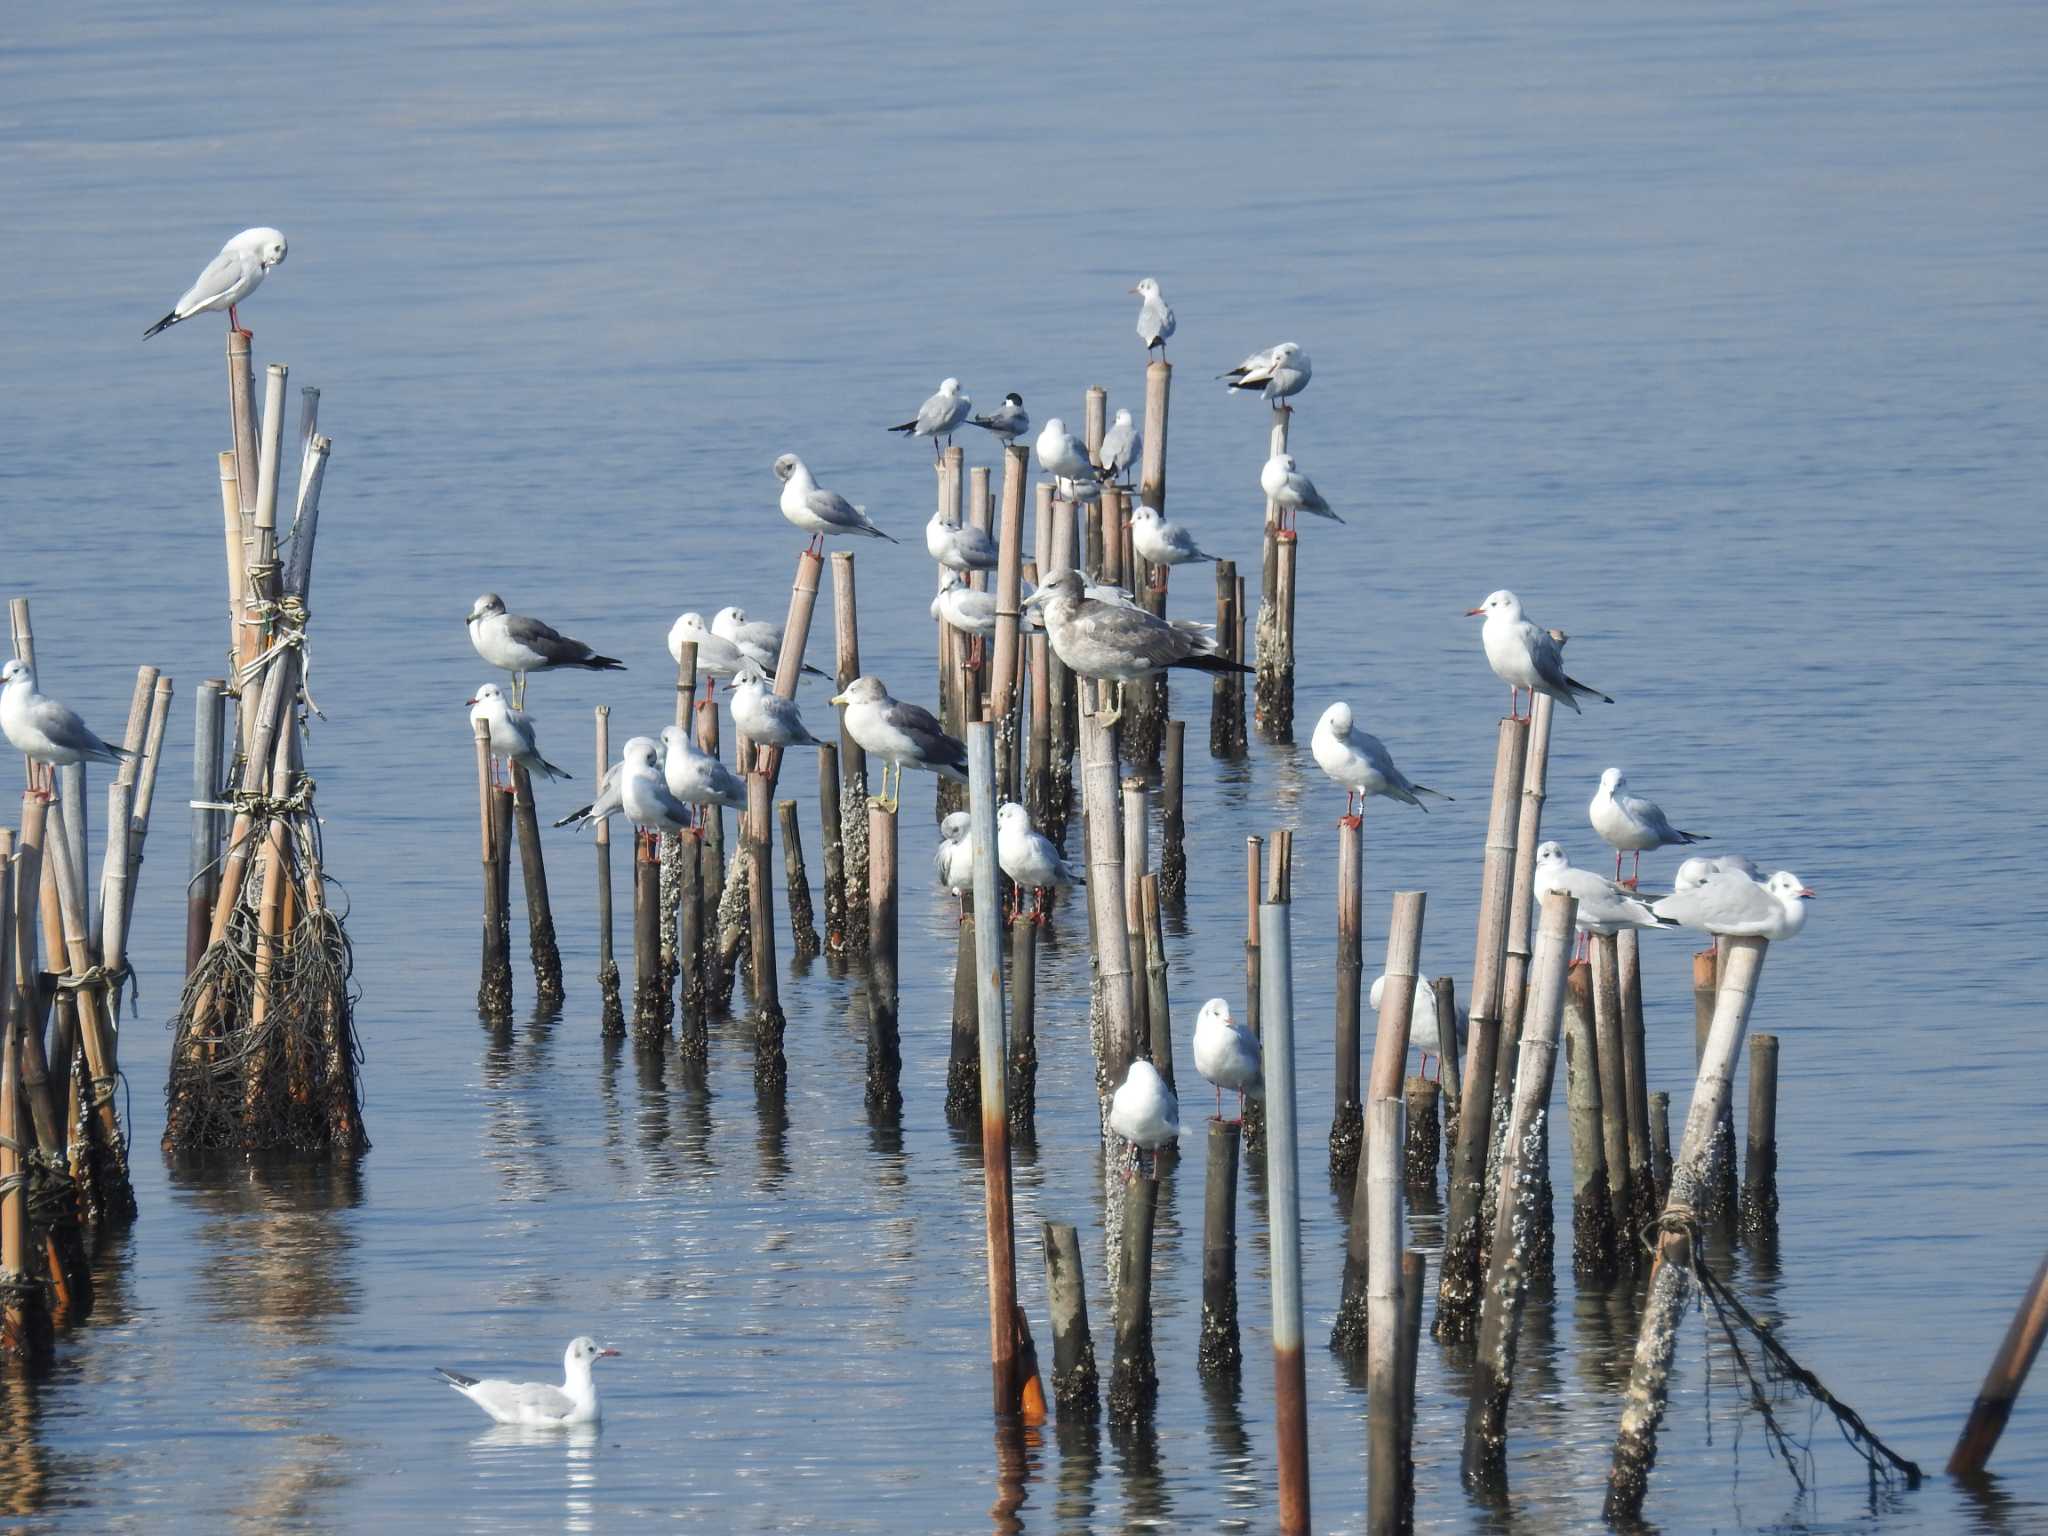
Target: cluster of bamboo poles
{"type": "Point", "coordinates": [63, 968]}
{"type": "Point", "coordinates": [265, 1056]}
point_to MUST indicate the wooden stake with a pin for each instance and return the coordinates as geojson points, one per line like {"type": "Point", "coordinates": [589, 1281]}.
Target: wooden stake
{"type": "Point", "coordinates": [1283, 1170]}
{"type": "Point", "coordinates": [1152, 475]}
{"type": "Point", "coordinates": [1760, 1170]}
{"type": "Point", "coordinates": [803, 926]}
{"type": "Point", "coordinates": [612, 1018]}
{"type": "Point", "coordinates": [650, 984]}
{"type": "Point", "coordinates": [2002, 1383]}
{"type": "Point", "coordinates": [1635, 1083]}
{"type": "Point", "coordinates": [494, 989]}
{"type": "Point", "coordinates": [1347, 1118]}
{"type": "Point", "coordinates": [1158, 1019]}
{"type": "Point", "coordinates": [1075, 1385]}
{"type": "Point", "coordinates": [885, 1057]}
{"type": "Point", "coordinates": [1220, 1354]}
{"type": "Point", "coordinates": [1608, 1032]}
{"type": "Point", "coordinates": [1381, 1207]}
{"type": "Point", "coordinates": [540, 915]}
{"type": "Point", "coordinates": [1024, 1033]}
{"type": "Point", "coordinates": [1133, 1376]}
{"type": "Point", "coordinates": [95, 1035]}
{"type": "Point", "coordinates": [1593, 1234]}
{"type": "Point", "coordinates": [1136, 828]}
{"type": "Point", "coordinates": [771, 1067]}
{"type": "Point", "coordinates": [963, 1060]}
{"type": "Point", "coordinates": [853, 761]}
{"type": "Point", "coordinates": [25, 1332]}
{"type": "Point", "coordinates": [1173, 831]}
{"type": "Point", "coordinates": [829, 831]}
{"type": "Point", "coordinates": [1009, 568]}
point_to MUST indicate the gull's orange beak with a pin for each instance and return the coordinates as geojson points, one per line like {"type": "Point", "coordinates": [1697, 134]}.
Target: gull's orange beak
{"type": "Point", "coordinates": [607, 1353]}
{"type": "Point", "coordinates": [1473, 613]}
{"type": "Point", "coordinates": [1805, 894]}
{"type": "Point", "coordinates": [470, 700]}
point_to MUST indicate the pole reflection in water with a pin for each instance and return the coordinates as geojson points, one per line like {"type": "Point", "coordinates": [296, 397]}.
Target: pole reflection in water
{"type": "Point", "coordinates": [1236, 1474]}
{"type": "Point", "coordinates": [1080, 1443]}
{"type": "Point", "coordinates": [1020, 1451]}
{"type": "Point", "coordinates": [24, 1464]}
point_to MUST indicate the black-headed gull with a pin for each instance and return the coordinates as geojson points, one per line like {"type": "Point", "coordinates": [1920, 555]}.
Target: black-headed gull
{"type": "Point", "coordinates": [1278, 372]}
{"type": "Point", "coordinates": [538, 1402]}
{"type": "Point", "coordinates": [939, 415]}
{"type": "Point", "coordinates": [764, 717]}
{"type": "Point", "coordinates": [694, 778]}
{"type": "Point", "coordinates": [1008, 421]}
{"type": "Point", "coordinates": [1143, 1110]}
{"type": "Point", "coordinates": [1630, 824]}
{"type": "Point", "coordinates": [1523, 656]}
{"type": "Point", "coordinates": [818, 511]}
{"type": "Point", "coordinates": [45, 731]}
{"type": "Point", "coordinates": [229, 278]}
{"type": "Point", "coordinates": [901, 735]}
{"type": "Point", "coordinates": [1292, 491]}
{"type": "Point", "coordinates": [1361, 763]}
{"type": "Point", "coordinates": [1155, 315]}
{"type": "Point", "coordinates": [1030, 858]}
{"type": "Point", "coordinates": [1604, 907]}
{"type": "Point", "coordinates": [953, 860]}
{"type": "Point", "coordinates": [1227, 1054]}
{"type": "Point", "coordinates": [644, 795]}
{"type": "Point", "coordinates": [1113, 643]}
{"type": "Point", "coordinates": [1122, 446]}
{"type": "Point", "coordinates": [959, 546]}
{"type": "Point", "coordinates": [606, 804]}
{"type": "Point", "coordinates": [1160, 543]}
{"type": "Point", "coordinates": [717, 656]}
{"type": "Point", "coordinates": [1696, 869]}
{"type": "Point", "coordinates": [513, 643]}
{"type": "Point", "coordinates": [1736, 906]}
{"type": "Point", "coordinates": [512, 736]}
{"type": "Point", "coordinates": [1423, 1034]}
{"type": "Point", "coordinates": [1061, 455]}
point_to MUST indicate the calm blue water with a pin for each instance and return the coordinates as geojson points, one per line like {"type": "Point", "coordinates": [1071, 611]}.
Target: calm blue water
{"type": "Point", "coordinates": [1718, 336]}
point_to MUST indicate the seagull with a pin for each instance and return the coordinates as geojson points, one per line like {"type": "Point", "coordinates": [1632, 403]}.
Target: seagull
{"type": "Point", "coordinates": [1155, 315]}
{"type": "Point", "coordinates": [758, 640]}
{"type": "Point", "coordinates": [1009, 421]}
{"type": "Point", "coordinates": [535, 1402]}
{"type": "Point", "coordinates": [606, 804]}
{"type": "Point", "coordinates": [1278, 371]}
{"type": "Point", "coordinates": [45, 731]}
{"type": "Point", "coordinates": [1523, 656]}
{"type": "Point", "coordinates": [819, 512]}
{"type": "Point", "coordinates": [1114, 643]}
{"type": "Point", "coordinates": [1227, 1054]}
{"type": "Point", "coordinates": [1029, 857]}
{"type": "Point", "coordinates": [693, 777]}
{"type": "Point", "coordinates": [964, 608]}
{"type": "Point", "coordinates": [763, 716]}
{"type": "Point", "coordinates": [939, 415]}
{"type": "Point", "coordinates": [1628, 823]}
{"type": "Point", "coordinates": [644, 794]}
{"type": "Point", "coordinates": [1060, 454]}
{"type": "Point", "coordinates": [514, 643]}
{"type": "Point", "coordinates": [1734, 905]}
{"type": "Point", "coordinates": [954, 857]}
{"type": "Point", "coordinates": [1160, 544]}
{"type": "Point", "coordinates": [717, 657]}
{"type": "Point", "coordinates": [901, 735]}
{"type": "Point", "coordinates": [1695, 870]}
{"type": "Point", "coordinates": [1423, 1034]}
{"type": "Point", "coordinates": [959, 546]}
{"type": "Point", "coordinates": [1122, 446]}
{"type": "Point", "coordinates": [1144, 1110]}
{"type": "Point", "coordinates": [511, 731]}
{"type": "Point", "coordinates": [1076, 491]}
{"type": "Point", "coordinates": [1292, 491]}
{"type": "Point", "coordinates": [1604, 907]}
{"type": "Point", "coordinates": [1360, 762]}
{"type": "Point", "coordinates": [229, 278]}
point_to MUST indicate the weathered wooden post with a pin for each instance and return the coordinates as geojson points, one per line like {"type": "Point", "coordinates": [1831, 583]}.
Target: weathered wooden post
{"type": "Point", "coordinates": [613, 1015]}
{"type": "Point", "coordinates": [1716, 1204]}
{"type": "Point", "coordinates": [2002, 1383]}
{"type": "Point", "coordinates": [25, 1332]}
{"type": "Point", "coordinates": [1347, 1119]}
{"type": "Point", "coordinates": [1173, 830]}
{"type": "Point", "coordinates": [1274, 690]}
{"type": "Point", "coordinates": [1226, 689]}
{"type": "Point", "coordinates": [494, 990]}
{"type": "Point", "coordinates": [1635, 1082]}
{"type": "Point", "coordinates": [771, 1068]}
{"type": "Point", "coordinates": [853, 760]}
{"type": "Point", "coordinates": [1076, 1388]}
{"type": "Point", "coordinates": [1381, 1179]}
{"type": "Point", "coordinates": [803, 927]}
{"type": "Point", "coordinates": [1283, 1171]}
{"type": "Point", "coordinates": [1608, 1031]}
{"type": "Point", "coordinates": [540, 915]}
{"type": "Point", "coordinates": [885, 1055]}
{"type": "Point", "coordinates": [1760, 1169]}
{"type": "Point", "coordinates": [1220, 1353]}
{"type": "Point", "coordinates": [1023, 1096]}
{"type": "Point", "coordinates": [203, 874]}
{"type": "Point", "coordinates": [1593, 1234]}
{"type": "Point", "coordinates": [831, 833]}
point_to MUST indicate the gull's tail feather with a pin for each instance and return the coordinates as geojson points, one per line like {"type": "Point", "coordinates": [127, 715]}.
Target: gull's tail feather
{"type": "Point", "coordinates": [1424, 789]}
{"type": "Point", "coordinates": [873, 532]}
{"type": "Point", "coordinates": [907, 427]}
{"type": "Point", "coordinates": [162, 325]}
{"type": "Point", "coordinates": [1594, 693]}
{"type": "Point", "coordinates": [1688, 837]}
{"type": "Point", "coordinates": [602, 664]}
{"type": "Point", "coordinates": [1204, 662]}
{"type": "Point", "coordinates": [455, 1379]}
{"type": "Point", "coordinates": [578, 816]}
{"type": "Point", "coordinates": [811, 671]}
{"type": "Point", "coordinates": [551, 771]}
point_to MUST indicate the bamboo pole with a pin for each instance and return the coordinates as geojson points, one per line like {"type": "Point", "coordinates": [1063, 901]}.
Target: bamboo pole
{"type": "Point", "coordinates": [771, 1067]}
{"type": "Point", "coordinates": [612, 1014]}
{"type": "Point", "coordinates": [963, 1059]}
{"type": "Point", "coordinates": [148, 766]}
{"type": "Point", "coordinates": [1635, 1446]}
{"type": "Point", "coordinates": [1274, 685]}
{"type": "Point", "coordinates": [1220, 1353]}
{"type": "Point", "coordinates": [803, 927]}
{"type": "Point", "coordinates": [1608, 1032]}
{"type": "Point", "coordinates": [717, 980]}
{"type": "Point", "coordinates": [1347, 1118]}
{"type": "Point", "coordinates": [26, 1319]}
{"type": "Point", "coordinates": [1173, 851]}
{"type": "Point", "coordinates": [207, 787]}
{"type": "Point", "coordinates": [649, 983]}
{"type": "Point", "coordinates": [1152, 472]}
{"type": "Point", "coordinates": [1283, 1171]}
{"type": "Point", "coordinates": [540, 914]}
{"type": "Point", "coordinates": [1593, 1233]}
{"type": "Point", "coordinates": [831, 835]}
{"type": "Point", "coordinates": [494, 990]}
{"type": "Point", "coordinates": [1516, 1215]}
{"type": "Point", "coordinates": [853, 761]}
{"type": "Point", "coordinates": [237, 558]}
{"type": "Point", "coordinates": [2002, 1383]}
{"type": "Point", "coordinates": [1158, 1017]}
{"type": "Point", "coordinates": [1660, 1145]}
{"type": "Point", "coordinates": [1760, 1169]}
{"type": "Point", "coordinates": [1075, 1385]}
{"type": "Point", "coordinates": [796, 637]}
{"type": "Point", "coordinates": [1133, 1374]}
{"type": "Point", "coordinates": [1716, 1205]}
{"type": "Point", "coordinates": [1136, 827]}
{"type": "Point", "coordinates": [885, 1057]}
{"type": "Point", "coordinates": [95, 1035]}
{"type": "Point", "coordinates": [1094, 418]}
{"type": "Point", "coordinates": [1635, 1082]}
{"type": "Point", "coordinates": [264, 1057]}
{"type": "Point", "coordinates": [1449, 1059]}
{"type": "Point", "coordinates": [1023, 1082]}
{"type": "Point", "coordinates": [1113, 1013]}
{"type": "Point", "coordinates": [1381, 1183]}
{"type": "Point", "coordinates": [1009, 567]}
{"type": "Point", "coordinates": [1414, 1276]}
{"type": "Point", "coordinates": [121, 803]}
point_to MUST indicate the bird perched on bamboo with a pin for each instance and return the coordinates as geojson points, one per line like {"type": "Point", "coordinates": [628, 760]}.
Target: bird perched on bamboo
{"type": "Point", "coordinates": [511, 732]}
{"type": "Point", "coordinates": [1227, 1054]}
{"type": "Point", "coordinates": [901, 735]}
{"type": "Point", "coordinates": [1116, 643]}
{"type": "Point", "coordinates": [46, 732]}
{"type": "Point", "coordinates": [1732, 905]}
{"type": "Point", "coordinates": [695, 778]}
{"type": "Point", "coordinates": [959, 546]}
{"type": "Point", "coordinates": [1360, 762]}
{"type": "Point", "coordinates": [1603, 906]}
{"type": "Point", "coordinates": [1278, 373]}
{"type": "Point", "coordinates": [1630, 824]}
{"type": "Point", "coordinates": [759, 640]}
{"type": "Point", "coordinates": [1423, 1034]}
{"type": "Point", "coordinates": [763, 716]}
{"type": "Point", "coordinates": [1122, 446]}
{"type": "Point", "coordinates": [1144, 1111]}
{"type": "Point", "coordinates": [1031, 859]}
{"type": "Point", "coordinates": [954, 858]}
{"type": "Point", "coordinates": [1160, 544]}
{"type": "Point", "coordinates": [817, 511]}
{"type": "Point", "coordinates": [939, 415]}
{"type": "Point", "coordinates": [1524, 656]}
{"type": "Point", "coordinates": [1008, 421]}
{"type": "Point", "coordinates": [1061, 454]}
{"type": "Point", "coordinates": [1155, 315]}
{"type": "Point", "coordinates": [1292, 492]}
{"type": "Point", "coordinates": [229, 278]}
{"type": "Point", "coordinates": [514, 643]}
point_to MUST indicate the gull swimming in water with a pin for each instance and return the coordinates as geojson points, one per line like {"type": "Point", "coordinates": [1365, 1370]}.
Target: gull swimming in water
{"type": "Point", "coordinates": [901, 735]}
{"type": "Point", "coordinates": [959, 546]}
{"type": "Point", "coordinates": [1292, 491]}
{"type": "Point", "coordinates": [1155, 315]}
{"type": "Point", "coordinates": [1423, 1034]}
{"type": "Point", "coordinates": [1604, 907]}
{"type": "Point", "coordinates": [694, 778]}
{"type": "Point", "coordinates": [1278, 371]}
{"type": "Point", "coordinates": [1143, 1110]}
{"type": "Point", "coordinates": [1523, 656]}
{"type": "Point", "coordinates": [229, 278]}
{"type": "Point", "coordinates": [514, 643]}
{"type": "Point", "coordinates": [511, 732]}
{"type": "Point", "coordinates": [1030, 858]}
{"type": "Point", "coordinates": [939, 415]}
{"type": "Point", "coordinates": [536, 1402]}
{"type": "Point", "coordinates": [1227, 1054]}
{"type": "Point", "coordinates": [1114, 643]}
{"type": "Point", "coordinates": [1060, 454]}
{"type": "Point", "coordinates": [1735, 906]}
{"type": "Point", "coordinates": [1008, 421]}
{"type": "Point", "coordinates": [1160, 544]}
{"type": "Point", "coordinates": [819, 512]}
{"type": "Point", "coordinates": [46, 732]}
{"type": "Point", "coordinates": [1630, 824]}
{"type": "Point", "coordinates": [1361, 763]}
{"type": "Point", "coordinates": [1122, 446]}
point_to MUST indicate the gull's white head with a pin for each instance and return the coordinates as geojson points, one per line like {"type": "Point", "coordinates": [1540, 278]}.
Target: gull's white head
{"type": "Point", "coordinates": [639, 751]}
{"type": "Point", "coordinates": [955, 827]}
{"type": "Point", "coordinates": [1123, 417]}
{"type": "Point", "coordinates": [1214, 1012]}
{"type": "Point", "coordinates": [690, 626]}
{"type": "Point", "coordinates": [727, 619]}
{"type": "Point", "coordinates": [264, 243]}
{"type": "Point", "coordinates": [1787, 888]}
{"type": "Point", "coordinates": [1145, 515]}
{"type": "Point", "coordinates": [1286, 352]}
{"type": "Point", "coordinates": [1552, 856]}
{"type": "Point", "coordinates": [1498, 605]}
{"type": "Point", "coordinates": [1283, 462]}
{"type": "Point", "coordinates": [749, 674]}
{"type": "Point", "coordinates": [1054, 427]}
{"type": "Point", "coordinates": [862, 690]}
{"type": "Point", "coordinates": [582, 1351]}
{"type": "Point", "coordinates": [1693, 872]}
{"type": "Point", "coordinates": [1012, 816]}
{"type": "Point", "coordinates": [1336, 719]}
{"type": "Point", "coordinates": [949, 386]}
{"type": "Point", "coordinates": [1612, 781]}
{"type": "Point", "coordinates": [490, 696]}
{"type": "Point", "coordinates": [17, 672]}
{"type": "Point", "coordinates": [788, 465]}
{"type": "Point", "coordinates": [485, 606]}
{"type": "Point", "coordinates": [1148, 286]}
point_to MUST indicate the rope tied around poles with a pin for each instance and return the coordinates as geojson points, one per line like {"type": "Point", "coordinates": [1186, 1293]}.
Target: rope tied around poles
{"type": "Point", "coordinates": [288, 615]}
{"type": "Point", "coordinates": [52, 1197]}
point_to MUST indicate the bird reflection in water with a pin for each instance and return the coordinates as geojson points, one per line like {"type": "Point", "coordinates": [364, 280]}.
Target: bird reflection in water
{"type": "Point", "coordinates": [520, 1448]}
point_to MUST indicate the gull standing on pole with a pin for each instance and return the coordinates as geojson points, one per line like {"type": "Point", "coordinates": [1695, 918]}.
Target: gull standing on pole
{"type": "Point", "coordinates": [1630, 824]}
{"type": "Point", "coordinates": [1155, 315]}
{"type": "Point", "coordinates": [901, 735]}
{"type": "Point", "coordinates": [954, 857]}
{"type": "Point", "coordinates": [1695, 870]}
{"type": "Point", "coordinates": [512, 736]}
{"type": "Point", "coordinates": [1227, 1054]}
{"type": "Point", "coordinates": [1144, 1110]}
{"type": "Point", "coordinates": [513, 643]}
{"type": "Point", "coordinates": [819, 512]}
{"type": "Point", "coordinates": [1008, 421]}
{"type": "Point", "coordinates": [1423, 1034]}
{"type": "Point", "coordinates": [694, 778]}
{"type": "Point", "coordinates": [763, 716]}
{"type": "Point", "coordinates": [1292, 491]}
{"type": "Point", "coordinates": [1361, 763]}
{"type": "Point", "coordinates": [536, 1402]}
{"type": "Point", "coordinates": [717, 657]}
{"type": "Point", "coordinates": [959, 546]}
{"type": "Point", "coordinates": [1160, 544]}
{"type": "Point", "coordinates": [1060, 454]}
{"type": "Point", "coordinates": [607, 803]}
{"type": "Point", "coordinates": [229, 278]}
{"type": "Point", "coordinates": [644, 795]}
{"type": "Point", "coordinates": [758, 640]}
{"type": "Point", "coordinates": [1030, 858]}
{"type": "Point", "coordinates": [1279, 371]}
{"type": "Point", "coordinates": [1523, 656]}
{"type": "Point", "coordinates": [939, 415]}
{"type": "Point", "coordinates": [1122, 446]}
{"type": "Point", "coordinates": [1735, 906]}
{"type": "Point", "coordinates": [1114, 643]}
{"type": "Point", "coordinates": [46, 732]}
{"type": "Point", "coordinates": [964, 608]}
{"type": "Point", "coordinates": [1604, 907]}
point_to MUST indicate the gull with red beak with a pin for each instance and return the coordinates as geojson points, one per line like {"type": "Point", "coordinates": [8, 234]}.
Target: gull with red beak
{"type": "Point", "coordinates": [1734, 906]}
{"type": "Point", "coordinates": [511, 729]}
{"type": "Point", "coordinates": [1523, 656]}
{"type": "Point", "coordinates": [538, 1402]}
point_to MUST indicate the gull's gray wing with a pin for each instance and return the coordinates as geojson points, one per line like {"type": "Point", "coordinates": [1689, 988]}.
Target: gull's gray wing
{"type": "Point", "coordinates": [1155, 318]}
{"type": "Point", "coordinates": [221, 274]}
{"type": "Point", "coordinates": [926, 734]}
{"type": "Point", "coordinates": [545, 640]}
{"type": "Point", "coordinates": [523, 1398]}
{"type": "Point", "coordinates": [937, 413]}
{"type": "Point", "coordinates": [1133, 633]}
{"type": "Point", "coordinates": [833, 508]}
{"type": "Point", "coordinates": [1652, 816]}
{"type": "Point", "coordinates": [61, 724]}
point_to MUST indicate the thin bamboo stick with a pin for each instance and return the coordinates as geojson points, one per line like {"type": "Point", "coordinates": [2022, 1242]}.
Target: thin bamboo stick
{"type": "Point", "coordinates": [1381, 1186]}
{"type": "Point", "coordinates": [95, 1035]}
{"type": "Point", "coordinates": [612, 1015]}
{"type": "Point", "coordinates": [1283, 1171]}
{"type": "Point", "coordinates": [1347, 1116]}
{"type": "Point", "coordinates": [494, 990]}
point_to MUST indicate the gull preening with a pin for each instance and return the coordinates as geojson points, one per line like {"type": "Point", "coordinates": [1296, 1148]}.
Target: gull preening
{"type": "Point", "coordinates": [1604, 907]}
{"type": "Point", "coordinates": [537, 1402]}
{"type": "Point", "coordinates": [694, 778]}
{"type": "Point", "coordinates": [763, 716]}
{"type": "Point", "coordinates": [229, 278]}
{"type": "Point", "coordinates": [954, 857]}
{"type": "Point", "coordinates": [1731, 904]}
{"type": "Point", "coordinates": [1113, 642]}
{"type": "Point", "coordinates": [959, 546]}
{"type": "Point", "coordinates": [1144, 1110]}
{"type": "Point", "coordinates": [1155, 315]}
{"type": "Point", "coordinates": [1061, 455]}
{"type": "Point", "coordinates": [1030, 858]}
{"type": "Point", "coordinates": [1696, 869]}
{"type": "Point", "coordinates": [816, 511]}
{"type": "Point", "coordinates": [1008, 421]}
{"type": "Point", "coordinates": [644, 794]}
{"type": "Point", "coordinates": [1523, 656]}
{"type": "Point", "coordinates": [1423, 1034]}
{"type": "Point", "coordinates": [1278, 372]}
{"type": "Point", "coordinates": [1160, 543]}
{"type": "Point", "coordinates": [717, 656]}
{"type": "Point", "coordinates": [1122, 446]}
{"type": "Point", "coordinates": [1227, 1054]}
{"type": "Point", "coordinates": [1292, 491]}
{"type": "Point", "coordinates": [514, 643]}
{"type": "Point", "coordinates": [1360, 762]}
{"type": "Point", "coordinates": [939, 415]}
{"type": "Point", "coordinates": [511, 732]}
{"type": "Point", "coordinates": [1630, 824]}
{"type": "Point", "coordinates": [46, 732]}
{"type": "Point", "coordinates": [901, 735]}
